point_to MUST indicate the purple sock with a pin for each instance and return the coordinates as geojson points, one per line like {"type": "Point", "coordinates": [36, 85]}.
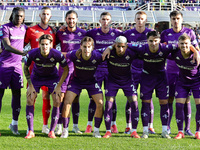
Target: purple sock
{"type": "Point", "coordinates": [198, 118]}
{"type": "Point", "coordinates": [108, 114]}
{"type": "Point", "coordinates": [151, 112]}
{"type": "Point", "coordinates": [60, 115]}
{"type": "Point", "coordinates": [164, 114]}
{"type": "Point", "coordinates": [114, 111]}
{"type": "Point", "coordinates": [65, 122]}
{"type": "Point", "coordinates": [187, 112]}
{"type": "Point", "coordinates": [30, 116]}
{"type": "Point", "coordinates": [75, 112]}
{"type": "Point", "coordinates": [134, 114]}
{"type": "Point", "coordinates": [91, 110]}
{"type": "Point", "coordinates": [54, 118]}
{"type": "Point", "coordinates": [16, 103]}
{"type": "Point", "coordinates": [128, 112]}
{"type": "Point", "coordinates": [170, 105]}
{"type": "Point", "coordinates": [1, 96]}
{"type": "Point", "coordinates": [179, 115]}
{"type": "Point", "coordinates": [145, 113]}
{"type": "Point", "coordinates": [97, 122]}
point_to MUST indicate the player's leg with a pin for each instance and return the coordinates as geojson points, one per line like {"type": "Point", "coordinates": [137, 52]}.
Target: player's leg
{"type": "Point", "coordinates": [46, 108]}
{"type": "Point", "coordinates": [16, 84]}
{"type": "Point", "coordinates": [188, 113]}
{"type": "Point", "coordinates": [69, 98]}
{"type": "Point", "coordinates": [108, 115]}
{"type": "Point", "coordinates": [114, 116]}
{"type": "Point", "coordinates": [75, 114]}
{"type": "Point", "coordinates": [151, 129]}
{"type": "Point", "coordinates": [128, 118]}
{"type": "Point", "coordinates": [30, 116]}
{"type": "Point", "coordinates": [134, 115]}
{"type": "Point", "coordinates": [98, 98]}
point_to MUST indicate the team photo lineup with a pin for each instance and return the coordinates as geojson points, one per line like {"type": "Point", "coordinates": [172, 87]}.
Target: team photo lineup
{"type": "Point", "coordinates": [102, 61]}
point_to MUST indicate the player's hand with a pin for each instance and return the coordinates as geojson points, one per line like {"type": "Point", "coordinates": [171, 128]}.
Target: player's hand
{"type": "Point", "coordinates": [63, 28]}
{"type": "Point", "coordinates": [78, 53]}
{"type": "Point", "coordinates": [196, 58]}
{"type": "Point", "coordinates": [31, 92]}
{"type": "Point", "coordinates": [57, 91]}
{"type": "Point", "coordinates": [106, 53]}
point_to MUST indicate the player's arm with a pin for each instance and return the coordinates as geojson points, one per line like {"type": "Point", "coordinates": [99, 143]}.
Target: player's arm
{"type": "Point", "coordinates": [196, 56]}
{"type": "Point", "coordinates": [30, 90]}
{"type": "Point", "coordinates": [106, 53]}
{"type": "Point", "coordinates": [8, 47]}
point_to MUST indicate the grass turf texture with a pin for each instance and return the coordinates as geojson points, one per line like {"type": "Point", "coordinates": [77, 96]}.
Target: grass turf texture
{"type": "Point", "coordinates": [86, 141]}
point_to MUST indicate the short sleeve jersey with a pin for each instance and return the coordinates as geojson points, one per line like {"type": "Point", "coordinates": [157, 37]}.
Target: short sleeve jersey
{"type": "Point", "coordinates": [153, 62]}
{"type": "Point", "coordinates": [171, 37]}
{"type": "Point", "coordinates": [119, 67]}
{"type": "Point", "coordinates": [85, 70]}
{"type": "Point", "coordinates": [33, 34]}
{"type": "Point", "coordinates": [16, 36]}
{"type": "Point", "coordinates": [45, 67]}
{"type": "Point", "coordinates": [188, 70]}
{"type": "Point", "coordinates": [136, 38]}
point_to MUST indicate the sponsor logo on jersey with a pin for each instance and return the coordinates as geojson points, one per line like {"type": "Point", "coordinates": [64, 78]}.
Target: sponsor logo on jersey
{"type": "Point", "coordinates": [17, 37]}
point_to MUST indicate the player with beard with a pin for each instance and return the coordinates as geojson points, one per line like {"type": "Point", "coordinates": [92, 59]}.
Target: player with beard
{"type": "Point", "coordinates": [171, 36]}
{"type": "Point", "coordinates": [69, 40]}
{"type": "Point", "coordinates": [32, 36]}
{"type": "Point", "coordinates": [103, 37]}
{"type": "Point", "coordinates": [138, 36]}
{"type": "Point", "coordinates": [11, 62]}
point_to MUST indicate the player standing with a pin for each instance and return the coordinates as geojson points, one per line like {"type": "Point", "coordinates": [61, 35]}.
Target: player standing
{"type": "Point", "coordinates": [44, 73]}
{"type": "Point", "coordinates": [83, 78]}
{"type": "Point", "coordinates": [32, 36]}
{"type": "Point", "coordinates": [138, 36]}
{"type": "Point", "coordinates": [69, 40]}
{"type": "Point", "coordinates": [103, 37]}
{"type": "Point", "coordinates": [170, 36]}
{"type": "Point", "coordinates": [10, 62]}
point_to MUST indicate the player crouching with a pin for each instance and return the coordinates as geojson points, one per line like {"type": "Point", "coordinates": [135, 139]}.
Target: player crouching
{"type": "Point", "coordinates": [44, 73]}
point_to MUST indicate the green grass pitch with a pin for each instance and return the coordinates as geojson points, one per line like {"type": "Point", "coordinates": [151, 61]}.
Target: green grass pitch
{"type": "Point", "coordinates": [86, 141]}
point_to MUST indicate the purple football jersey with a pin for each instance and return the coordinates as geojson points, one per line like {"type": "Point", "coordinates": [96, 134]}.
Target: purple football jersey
{"type": "Point", "coordinates": [171, 37]}
{"type": "Point", "coordinates": [85, 70]}
{"type": "Point", "coordinates": [153, 62]}
{"type": "Point", "coordinates": [70, 40]}
{"type": "Point", "coordinates": [45, 67]}
{"type": "Point", "coordinates": [102, 40]}
{"type": "Point", "coordinates": [16, 37]}
{"type": "Point", "coordinates": [188, 71]}
{"type": "Point", "coordinates": [136, 38]}
{"type": "Point", "coordinates": [119, 68]}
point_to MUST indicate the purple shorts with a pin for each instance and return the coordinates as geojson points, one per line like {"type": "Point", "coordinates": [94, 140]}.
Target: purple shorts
{"type": "Point", "coordinates": [8, 77]}
{"type": "Point", "coordinates": [136, 75]}
{"type": "Point", "coordinates": [49, 82]}
{"type": "Point", "coordinates": [182, 90]}
{"type": "Point", "coordinates": [149, 82]}
{"type": "Point", "coordinates": [101, 76]}
{"type": "Point", "coordinates": [76, 86]}
{"type": "Point", "coordinates": [65, 83]}
{"type": "Point", "coordinates": [111, 88]}
{"type": "Point", "coordinates": [172, 79]}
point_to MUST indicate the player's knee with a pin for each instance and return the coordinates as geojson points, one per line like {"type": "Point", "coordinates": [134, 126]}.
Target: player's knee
{"type": "Point", "coordinates": [99, 104]}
